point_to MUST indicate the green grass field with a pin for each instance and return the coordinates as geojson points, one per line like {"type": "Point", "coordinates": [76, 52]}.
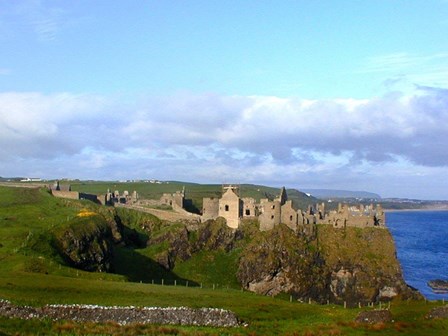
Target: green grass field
{"type": "Point", "coordinates": [32, 273]}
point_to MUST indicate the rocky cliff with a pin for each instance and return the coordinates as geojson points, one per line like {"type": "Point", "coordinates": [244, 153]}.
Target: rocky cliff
{"type": "Point", "coordinates": [351, 265]}
{"type": "Point", "coordinates": [86, 242]}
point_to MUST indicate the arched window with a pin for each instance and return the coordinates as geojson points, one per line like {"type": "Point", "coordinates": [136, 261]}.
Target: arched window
{"type": "Point", "coordinates": [226, 207]}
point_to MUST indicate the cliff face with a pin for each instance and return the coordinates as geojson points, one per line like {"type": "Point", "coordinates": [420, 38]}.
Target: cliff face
{"type": "Point", "coordinates": [86, 243]}
{"type": "Point", "coordinates": [351, 265]}
{"type": "Point", "coordinates": [362, 265]}
{"type": "Point", "coordinates": [278, 261]}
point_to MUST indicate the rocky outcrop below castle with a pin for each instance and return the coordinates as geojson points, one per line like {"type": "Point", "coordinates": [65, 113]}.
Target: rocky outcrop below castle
{"type": "Point", "coordinates": [352, 266]}
{"type": "Point", "coordinates": [124, 315]}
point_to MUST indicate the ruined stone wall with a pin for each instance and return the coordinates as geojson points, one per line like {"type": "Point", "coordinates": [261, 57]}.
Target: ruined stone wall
{"type": "Point", "coordinates": [270, 214]}
{"type": "Point", "coordinates": [103, 199]}
{"type": "Point", "coordinates": [300, 218]}
{"type": "Point", "coordinates": [65, 194]}
{"type": "Point", "coordinates": [250, 208]}
{"type": "Point", "coordinates": [211, 317]}
{"type": "Point", "coordinates": [178, 199]}
{"type": "Point", "coordinates": [355, 216]}
{"type": "Point", "coordinates": [289, 215]}
{"type": "Point", "coordinates": [210, 208]}
{"type": "Point", "coordinates": [175, 200]}
{"type": "Point", "coordinates": [167, 199]}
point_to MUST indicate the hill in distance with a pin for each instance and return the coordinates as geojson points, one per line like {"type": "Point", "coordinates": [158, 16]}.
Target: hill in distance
{"type": "Point", "coordinates": [331, 193]}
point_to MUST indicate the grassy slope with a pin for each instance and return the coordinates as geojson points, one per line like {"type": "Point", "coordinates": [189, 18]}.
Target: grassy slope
{"type": "Point", "coordinates": [38, 277]}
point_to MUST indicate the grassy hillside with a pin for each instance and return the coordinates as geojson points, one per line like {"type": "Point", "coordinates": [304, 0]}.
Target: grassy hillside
{"type": "Point", "coordinates": [33, 272]}
{"type": "Point", "coordinates": [194, 192]}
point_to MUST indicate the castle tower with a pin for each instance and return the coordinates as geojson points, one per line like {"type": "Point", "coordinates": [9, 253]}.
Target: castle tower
{"type": "Point", "coordinates": [230, 205]}
{"type": "Point", "coordinates": [283, 197]}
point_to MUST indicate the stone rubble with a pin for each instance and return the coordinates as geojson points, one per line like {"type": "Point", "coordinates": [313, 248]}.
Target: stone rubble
{"type": "Point", "coordinates": [374, 316]}
{"type": "Point", "coordinates": [438, 312]}
{"type": "Point", "coordinates": [213, 317]}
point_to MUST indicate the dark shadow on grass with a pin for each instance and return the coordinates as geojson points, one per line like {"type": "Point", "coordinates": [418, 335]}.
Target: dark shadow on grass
{"type": "Point", "coordinates": [190, 207]}
{"type": "Point", "coordinates": [136, 267]}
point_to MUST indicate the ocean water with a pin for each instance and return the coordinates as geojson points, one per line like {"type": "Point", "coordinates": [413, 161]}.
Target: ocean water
{"type": "Point", "coordinates": [421, 239]}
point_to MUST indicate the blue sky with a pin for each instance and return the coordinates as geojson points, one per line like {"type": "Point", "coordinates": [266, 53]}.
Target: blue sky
{"type": "Point", "coordinates": [307, 94]}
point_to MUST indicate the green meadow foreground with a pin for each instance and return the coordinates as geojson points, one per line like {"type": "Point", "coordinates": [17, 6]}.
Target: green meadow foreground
{"type": "Point", "coordinates": [34, 271]}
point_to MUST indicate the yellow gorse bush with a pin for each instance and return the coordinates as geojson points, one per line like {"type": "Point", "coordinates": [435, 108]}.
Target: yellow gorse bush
{"type": "Point", "coordinates": [86, 213]}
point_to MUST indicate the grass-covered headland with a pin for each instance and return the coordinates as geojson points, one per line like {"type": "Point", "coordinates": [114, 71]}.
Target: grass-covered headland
{"type": "Point", "coordinates": [56, 251]}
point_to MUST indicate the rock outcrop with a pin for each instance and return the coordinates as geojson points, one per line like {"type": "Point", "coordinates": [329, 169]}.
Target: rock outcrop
{"type": "Point", "coordinates": [279, 261]}
{"type": "Point", "coordinates": [438, 313]}
{"type": "Point", "coordinates": [352, 265]}
{"type": "Point", "coordinates": [438, 286]}
{"type": "Point", "coordinates": [86, 243]}
{"type": "Point", "coordinates": [374, 316]}
{"type": "Point", "coordinates": [362, 265]}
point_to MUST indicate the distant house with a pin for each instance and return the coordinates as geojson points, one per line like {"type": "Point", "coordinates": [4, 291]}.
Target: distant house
{"type": "Point", "coordinates": [31, 179]}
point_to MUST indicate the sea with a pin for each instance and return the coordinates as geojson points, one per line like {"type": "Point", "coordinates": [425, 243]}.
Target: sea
{"type": "Point", "coordinates": [421, 240]}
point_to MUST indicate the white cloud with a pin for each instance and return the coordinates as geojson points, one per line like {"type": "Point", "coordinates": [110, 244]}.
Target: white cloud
{"type": "Point", "coordinates": [43, 19]}
{"type": "Point", "coordinates": [217, 138]}
{"type": "Point", "coordinates": [405, 70]}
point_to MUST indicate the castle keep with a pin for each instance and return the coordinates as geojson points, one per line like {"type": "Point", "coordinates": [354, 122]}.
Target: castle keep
{"type": "Point", "coordinates": [270, 213]}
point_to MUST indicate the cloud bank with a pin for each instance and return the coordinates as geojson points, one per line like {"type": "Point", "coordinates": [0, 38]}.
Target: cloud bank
{"type": "Point", "coordinates": [213, 138]}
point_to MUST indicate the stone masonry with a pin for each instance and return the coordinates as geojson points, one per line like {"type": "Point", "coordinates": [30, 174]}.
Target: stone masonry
{"type": "Point", "coordinates": [280, 210]}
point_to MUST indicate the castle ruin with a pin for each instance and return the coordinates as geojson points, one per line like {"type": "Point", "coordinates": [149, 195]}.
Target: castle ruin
{"type": "Point", "coordinates": [270, 213]}
{"type": "Point", "coordinates": [113, 198]}
{"type": "Point", "coordinates": [65, 191]}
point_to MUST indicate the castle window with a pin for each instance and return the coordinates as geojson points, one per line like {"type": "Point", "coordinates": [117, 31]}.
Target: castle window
{"type": "Point", "coordinates": [226, 208]}
{"type": "Point", "coordinates": [272, 217]}
{"type": "Point", "coordinates": [290, 218]}
{"type": "Point", "coordinates": [247, 212]}
{"type": "Point", "coordinates": [273, 207]}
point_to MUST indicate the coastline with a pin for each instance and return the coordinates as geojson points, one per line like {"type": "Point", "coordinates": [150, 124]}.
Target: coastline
{"type": "Point", "coordinates": [415, 210]}
{"type": "Point", "coordinates": [419, 236]}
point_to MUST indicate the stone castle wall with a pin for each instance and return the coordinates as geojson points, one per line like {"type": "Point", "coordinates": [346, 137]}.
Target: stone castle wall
{"type": "Point", "coordinates": [230, 207]}
{"type": "Point", "coordinates": [210, 208]}
{"type": "Point", "coordinates": [271, 213]}
{"type": "Point", "coordinates": [65, 194]}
